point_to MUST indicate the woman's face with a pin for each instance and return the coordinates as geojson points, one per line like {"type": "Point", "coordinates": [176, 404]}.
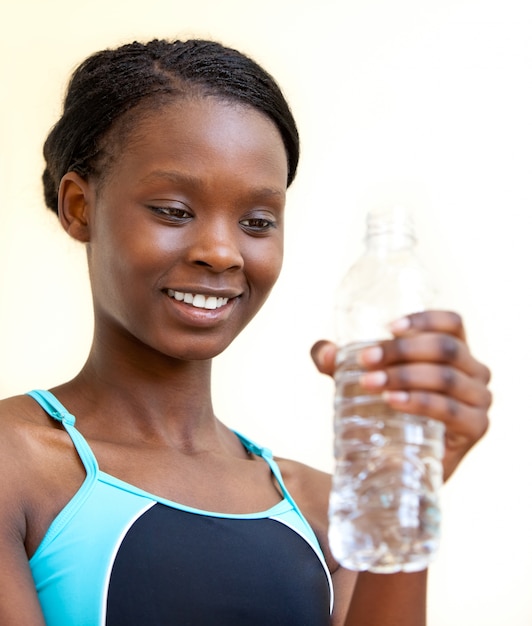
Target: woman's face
{"type": "Point", "coordinates": [186, 228]}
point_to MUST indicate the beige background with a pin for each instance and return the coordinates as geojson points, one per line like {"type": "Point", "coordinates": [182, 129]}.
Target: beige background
{"type": "Point", "coordinates": [423, 102]}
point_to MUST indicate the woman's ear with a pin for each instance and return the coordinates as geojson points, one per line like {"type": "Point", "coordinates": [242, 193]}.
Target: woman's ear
{"type": "Point", "coordinates": [74, 199]}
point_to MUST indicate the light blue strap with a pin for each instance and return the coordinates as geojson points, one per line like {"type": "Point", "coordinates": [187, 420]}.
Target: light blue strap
{"type": "Point", "coordinates": [57, 411]}
{"type": "Point", "coordinates": [309, 535]}
{"type": "Point", "coordinates": [52, 406]}
{"type": "Point", "coordinates": [267, 455]}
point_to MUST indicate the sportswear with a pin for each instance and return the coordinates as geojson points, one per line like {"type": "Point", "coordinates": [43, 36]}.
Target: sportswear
{"type": "Point", "coordinates": [119, 556]}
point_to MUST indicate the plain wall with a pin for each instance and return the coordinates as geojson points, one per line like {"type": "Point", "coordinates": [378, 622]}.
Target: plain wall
{"type": "Point", "coordinates": [418, 102]}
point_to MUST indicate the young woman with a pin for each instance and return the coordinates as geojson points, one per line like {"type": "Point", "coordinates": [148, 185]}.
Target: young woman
{"type": "Point", "coordinates": [123, 499]}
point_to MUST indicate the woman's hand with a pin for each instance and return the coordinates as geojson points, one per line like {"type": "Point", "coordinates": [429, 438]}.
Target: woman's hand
{"type": "Point", "coordinates": [427, 369]}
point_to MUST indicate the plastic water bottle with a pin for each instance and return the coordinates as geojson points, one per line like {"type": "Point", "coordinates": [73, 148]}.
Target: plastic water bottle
{"type": "Point", "coordinates": [384, 513]}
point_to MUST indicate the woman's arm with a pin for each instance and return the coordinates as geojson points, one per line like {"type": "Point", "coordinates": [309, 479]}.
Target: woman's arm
{"type": "Point", "coordinates": [19, 605]}
{"type": "Point", "coordinates": [388, 600]}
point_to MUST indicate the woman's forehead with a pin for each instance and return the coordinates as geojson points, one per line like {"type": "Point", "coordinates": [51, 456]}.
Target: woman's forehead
{"type": "Point", "coordinates": [200, 140]}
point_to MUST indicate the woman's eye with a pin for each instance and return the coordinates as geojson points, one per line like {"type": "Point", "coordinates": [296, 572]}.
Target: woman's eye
{"type": "Point", "coordinates": [257, 224]}
{"type": "Point", "coordinates": [171, 212]}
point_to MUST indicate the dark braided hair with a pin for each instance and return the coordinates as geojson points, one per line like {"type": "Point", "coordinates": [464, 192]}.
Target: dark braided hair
{"type": "Point", "coordinates": [111, 83]}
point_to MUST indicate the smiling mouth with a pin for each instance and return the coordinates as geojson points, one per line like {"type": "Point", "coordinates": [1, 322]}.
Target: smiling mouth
{"type": "Point", "coordinates": [198, 300]}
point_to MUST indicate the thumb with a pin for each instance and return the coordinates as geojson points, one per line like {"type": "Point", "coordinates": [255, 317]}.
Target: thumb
{"type": "Point", "coordinates": [323, 354]}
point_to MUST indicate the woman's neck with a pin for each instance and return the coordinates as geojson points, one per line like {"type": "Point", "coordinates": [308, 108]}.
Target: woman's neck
{"type": "Point", "coordinates": [141, 393]}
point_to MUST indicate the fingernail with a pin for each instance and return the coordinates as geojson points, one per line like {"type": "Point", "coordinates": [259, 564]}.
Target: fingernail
{"type": "Point", "coordinates": [370, 356]}
{"type": "Point", "coordinates": [373, 379]}
{"type": "Point", "coordinates": [396, 396]}
{"type": "Point", "coordinates": [400, 325]}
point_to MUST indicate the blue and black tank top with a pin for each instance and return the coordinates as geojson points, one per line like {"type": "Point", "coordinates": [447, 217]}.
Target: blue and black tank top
{"type": "Point", "coordinates": [119, 556]}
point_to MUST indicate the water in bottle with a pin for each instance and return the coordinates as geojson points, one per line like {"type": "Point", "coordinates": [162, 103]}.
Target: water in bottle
{"type": "Point", "coordinates": [384, 513]}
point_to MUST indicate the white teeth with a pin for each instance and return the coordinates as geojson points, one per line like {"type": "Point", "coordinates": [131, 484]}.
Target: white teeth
{"type": "Point", "coordinates": [198, 300]}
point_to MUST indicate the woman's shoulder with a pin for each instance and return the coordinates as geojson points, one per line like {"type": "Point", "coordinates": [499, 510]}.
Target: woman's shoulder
{"type": "Point", "coordinates": [23, 427]}
{"type": "Point", "coordinates": [30, 443]}
{"type": "Point", "coordinates": [310, 489]}
{"type": "Point", "coordinates": [39, 468]}
{"type": "Point", "coordinates": [307, 482]}
{"type": "Point", "coordinates": [23, 423]}
{"type": "Point", "coordinates": [19, 415]}
{"type": "Point", "coordinates": [28, 432]}
{"type": "Point", "coordinates": [19, 430]}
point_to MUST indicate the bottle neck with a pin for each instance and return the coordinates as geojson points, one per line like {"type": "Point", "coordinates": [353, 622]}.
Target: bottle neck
{"type": "Point", "coordinates": [389, 241]}
{"type": "Point", "coordinates": [390, 229]}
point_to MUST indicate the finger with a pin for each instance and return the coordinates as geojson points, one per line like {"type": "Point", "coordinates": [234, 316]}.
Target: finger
{"type": "Point", "coordinates": [427, 347]}
{"type": "Point", "coordinates": [464, 425]}
{"type": "Point", "coordinates": [443, 379]}
{"type": "Point", "coordinates": [442, 321]}
{"type": "Point", "coordinates": [463, 422]}
{"type": "Point", "coordinates": [323, 354]}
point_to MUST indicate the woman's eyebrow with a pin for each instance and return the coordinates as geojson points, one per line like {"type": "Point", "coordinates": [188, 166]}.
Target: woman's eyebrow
{"type": "Point", "coordinates": [179, 178]}
{"type": "Point", "coordinates": [172, 176]}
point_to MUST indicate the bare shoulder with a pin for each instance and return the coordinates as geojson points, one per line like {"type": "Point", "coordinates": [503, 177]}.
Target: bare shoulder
{"type": "Point", "coordinates": [30, 441]}
{"type": "Point", "coordinates": [19, 417]}
{"type": "Point", "coordinates": [24, 423]}
{"type": "Point", "coordinates": [21, 423]}
{"type": "Point", "coordinates": [23, 426]}
{"type": "Point", "coordinates": [309, 486]}
{"type": "Point", "coordinates": [39, 468]}
{"type": "Point", "coordinates": [17, 407]}
{"type": "Point", "coordinates": [310, 489]}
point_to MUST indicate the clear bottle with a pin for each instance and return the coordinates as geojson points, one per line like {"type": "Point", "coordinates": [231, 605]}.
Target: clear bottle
{"type": "Point", "coordinates": [384, 513]}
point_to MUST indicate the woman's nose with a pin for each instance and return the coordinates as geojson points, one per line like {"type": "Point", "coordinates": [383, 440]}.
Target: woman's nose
{"type": "Point", "coordinates": [216, 246]}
